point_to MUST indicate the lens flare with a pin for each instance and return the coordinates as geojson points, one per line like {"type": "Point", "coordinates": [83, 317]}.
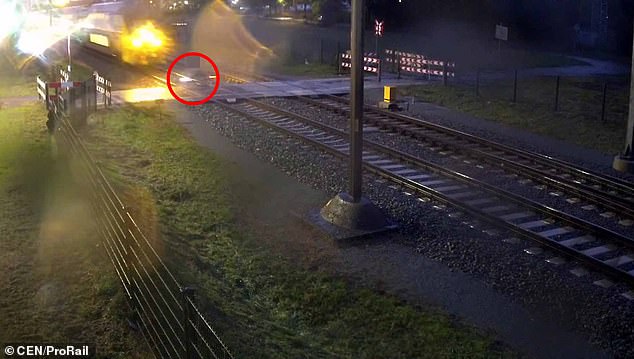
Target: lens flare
{"type": "Point", "coordinates": [38, 34]}
{"type": "Point", "coordinates": [60, 3]}
{"type": "Point", "coordinates": [219, 33]}
{"type": "Point", "coordinates": [12, 18]}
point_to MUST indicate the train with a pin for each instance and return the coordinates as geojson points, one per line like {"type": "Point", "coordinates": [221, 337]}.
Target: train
{"type": "Point", "coordinates": [124, 29]}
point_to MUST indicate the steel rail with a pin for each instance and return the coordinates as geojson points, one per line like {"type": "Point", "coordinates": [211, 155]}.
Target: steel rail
{"type": "Point", "coordinates": [523, 202]}
{"type": "Point", "coordinates": [609, 181]}
{"type": "Point", "coordinates": [621, 203]}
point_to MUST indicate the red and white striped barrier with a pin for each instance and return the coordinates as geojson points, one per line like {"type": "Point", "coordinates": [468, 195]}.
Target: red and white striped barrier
{"type": "Point", "coordinates": [419, 64]}
{"type": "Point", "coordinates": [64, 85]}
{"type": "Point", "coordinates": [372, 63]}
{"type": "Point", "coordinates": [103, 86]}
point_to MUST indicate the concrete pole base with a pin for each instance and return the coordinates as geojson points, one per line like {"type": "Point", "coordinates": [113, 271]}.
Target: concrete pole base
{"type": "Point", "coordinates": [623, 163]}
{"type": "Point", "coordinates": [342, 212]}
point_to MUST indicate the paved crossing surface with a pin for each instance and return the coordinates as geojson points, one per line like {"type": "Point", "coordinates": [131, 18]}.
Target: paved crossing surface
{"type": "Point", "coordinates": [193, 90]}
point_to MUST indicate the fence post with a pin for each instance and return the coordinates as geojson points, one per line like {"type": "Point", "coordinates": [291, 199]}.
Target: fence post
{"type": "Point", "coordinates": [109, 91]}
{"type": "Point", "coordinates": [94, 79]}
{"type": "Point", "coordinates": [603, 104]}
{"type": "Point", "coordinates": [71, 108]}
{"type": "Point", "coordinates": [188, 293]}
{"type": "Point", "coordinates": [477, 83]}
{"type": "Point", "coordinates": [321, 51]}
{"type": "Point", "coordinates": [84, 103]}
{"type": "Point", "coordinates": [48, 97]}
{"type": "Point", "coordinates": [394, 64]}
{"type": "Point", "coordinates": [515, 87]}
{"type": "Point", "coordinates": [339, 61]}
{"type": "Point", "coordinates": [557, 94]}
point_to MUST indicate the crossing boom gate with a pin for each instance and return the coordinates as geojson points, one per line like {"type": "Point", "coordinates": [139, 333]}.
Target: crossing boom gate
{"type": "Point", "coordinates": [419, 64]}
{"type": "Point", "coordinates": [77, 98]}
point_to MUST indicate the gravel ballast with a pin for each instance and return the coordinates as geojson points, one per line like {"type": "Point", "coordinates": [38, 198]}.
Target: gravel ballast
{"type": "Point", "coordinates": [454, 240]}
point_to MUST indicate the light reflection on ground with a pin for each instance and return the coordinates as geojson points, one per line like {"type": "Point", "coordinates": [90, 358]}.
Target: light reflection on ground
{"type": "Point", "coordinates": [145, 94]}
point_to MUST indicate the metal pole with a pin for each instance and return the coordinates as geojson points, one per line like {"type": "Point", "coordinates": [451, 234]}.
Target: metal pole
{"type": "Point", "coordinates": [321, 51]}
{"type": "Point", "coordinates": [603, 105]}
{"type": "Point", "coordinates": [515, 88]}
{"type": "Point", "coordinates": [394, 62]}
{"type": "Point", "coordinates": [625, 161]}
{"type": "Point", "coordinates": [477, 84]}
{"type": "Point", "coordinates": [356, 103]}
{"type": "Point", "coordinates": [84, 104]}
{"type": "Point", "coordinates": [47, 99]}
{"type": "Point", "coordinates": [69, 57]}
{"type": "Point", "coordinates": [376, 45]}
{"type": "Point", "coordinates": [94, 79]}
{"type": "Point", "coordinates": [188, 319]}
{"type": "Point", "coordinates": [557, 93]}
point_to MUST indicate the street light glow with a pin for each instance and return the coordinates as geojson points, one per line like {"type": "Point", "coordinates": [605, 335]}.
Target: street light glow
{"type": "Point", "coordinates": [11, 22]}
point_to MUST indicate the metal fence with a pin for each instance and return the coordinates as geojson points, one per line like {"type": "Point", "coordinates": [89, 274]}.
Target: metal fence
{"type": "Point", "coordinates": [602, 97]}
{"type": "Point", "coordinates": [165, 310]}
{"type": "Point", "coordinates": [103, 86]}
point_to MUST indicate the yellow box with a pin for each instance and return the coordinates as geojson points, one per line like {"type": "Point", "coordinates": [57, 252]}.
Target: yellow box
{"type": "Point", "coordinates": [389, 93]}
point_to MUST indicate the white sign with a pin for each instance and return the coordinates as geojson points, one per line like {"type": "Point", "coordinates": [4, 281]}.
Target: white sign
{"type": "Point", "coordinates": [501, 32]}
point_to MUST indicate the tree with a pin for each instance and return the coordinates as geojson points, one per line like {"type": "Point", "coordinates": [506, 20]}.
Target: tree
{"type": "Point", "coordinates": [328, 11]}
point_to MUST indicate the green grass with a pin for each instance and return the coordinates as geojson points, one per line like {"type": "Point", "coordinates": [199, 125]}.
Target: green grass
{"type": "Point", "coordinates": [13, 83]}
{"type": "Point", "coordinates": [517, 59]}
{"type": "Point", "coordinates": [578, 120]}
{"type": "Point", "coordinates": [264, 305]}
{"type": "Point", "coordinates": [18, 73]}
{"type": "Point", "coordinates": [57, 283]}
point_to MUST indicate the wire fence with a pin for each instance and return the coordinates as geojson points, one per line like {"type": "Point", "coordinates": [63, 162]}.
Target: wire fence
{"type": "Point", "coordinates": [165, 310]}
{"type": "Point", "coordinates": [604, 98]}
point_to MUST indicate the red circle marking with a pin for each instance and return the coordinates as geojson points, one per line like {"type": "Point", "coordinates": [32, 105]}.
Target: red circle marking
{"type": "Point", "coordinates": [213, 92]}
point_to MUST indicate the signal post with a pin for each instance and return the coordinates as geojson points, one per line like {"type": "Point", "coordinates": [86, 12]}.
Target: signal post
{"type": "Point", "coordinates": [624, 162]}
{"type": "Point", "coordinates": [350, 213]}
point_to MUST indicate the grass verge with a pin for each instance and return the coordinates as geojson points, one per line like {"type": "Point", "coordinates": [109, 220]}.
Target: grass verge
{"type": "Point", "coordinates": [263, 304]}
{"type": "Point", "coordinates": [520, 59]}
{"type": "Point", "coordinates": [13, 83]}
{"type": "Point", "coordinates": [18, 73]}
{"type": "Point", "coordinates": [58, 286]}
{"type": "Point", "coordinates": [578, 120]}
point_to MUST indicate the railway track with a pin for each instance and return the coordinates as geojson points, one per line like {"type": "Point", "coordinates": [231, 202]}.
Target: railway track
{"type": "Point", "coordinates": [613, 197]}
{"type": "Point", "coordinates": [595, 246]}
{"type": "Point", "coordinates": [598, 247]}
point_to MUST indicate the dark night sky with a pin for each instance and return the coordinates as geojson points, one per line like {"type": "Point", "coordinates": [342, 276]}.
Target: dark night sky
{"type": "Point", "coordinates": [540, 22]}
